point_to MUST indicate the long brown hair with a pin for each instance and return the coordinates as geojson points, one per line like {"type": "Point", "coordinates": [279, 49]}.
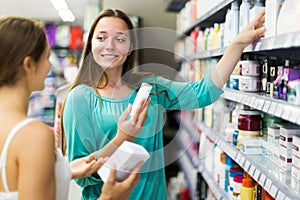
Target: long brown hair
{"type": "Point", "coordinates": [93, 75]}
{"type": "Point", "coordinates": [19, 37]}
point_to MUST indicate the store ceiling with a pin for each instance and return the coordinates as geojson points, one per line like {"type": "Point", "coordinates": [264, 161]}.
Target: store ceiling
{"type": "Point", "coordinates": [41, 9]}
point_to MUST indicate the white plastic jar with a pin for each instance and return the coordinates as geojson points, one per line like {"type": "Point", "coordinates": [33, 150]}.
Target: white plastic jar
{"type": "Point", "coordinates": [249, 68]}
{"type": "Point", "coordinates": [249, 83]}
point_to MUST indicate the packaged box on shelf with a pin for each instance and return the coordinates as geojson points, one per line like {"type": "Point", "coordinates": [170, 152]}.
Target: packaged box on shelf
{"type": "Point", "coordinates": [285, 162]}
{"type": "Point", "coordinates": [271, 151]}
{"type": "Point", "coordinates": [295, 184]}
{"type": "Point", "coordinates": [284, 175]}
{"type": "Point", "coordinates": [296, 161]}
{"type": "Point", "coordinates": [286, 136]}
{"type": "Point", "coordinates": [295, 171]}
{"type": "Point", "coordinates": [296, 146]}
{"type": "Point", "coordinates": [251, 145]}
{"type": "Point", "coordinates": [285, 152]}
{"type": "Point", "coordinates": [273, 135]}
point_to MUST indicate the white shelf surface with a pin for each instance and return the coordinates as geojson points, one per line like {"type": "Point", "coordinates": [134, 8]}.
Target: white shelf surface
{"type": "Point", "coordinates": [276, 107]}
{"type": "Point", "coordinates": [288, 40]}
{"type": "Point", "coordinates": [260, 168]}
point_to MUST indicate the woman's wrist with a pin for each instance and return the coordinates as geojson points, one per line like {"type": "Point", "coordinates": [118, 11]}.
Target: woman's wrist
{"type": "Point", "coordinates": [238, 44]}
{"type": "Point", "coordinates": [121, 137]}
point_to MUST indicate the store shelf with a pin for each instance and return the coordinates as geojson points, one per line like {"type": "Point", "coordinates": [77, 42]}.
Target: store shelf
{"type": "Point", "coordinates": [284, 41]}
{"type": "Point", "coordinates": [286, 46]}
{"type": "Point", "coordinates": [182, 139]}
{"type": "Point", "coordinates": [278, 108]}
{"type": "Point", "coordinates": [215, 15]}
{"type": "Point", "coordinates": [190, 174]}
{"type": "Point", "coordinates": [219, 192]}
{"type": "Point", "coordinates": [260, 168]}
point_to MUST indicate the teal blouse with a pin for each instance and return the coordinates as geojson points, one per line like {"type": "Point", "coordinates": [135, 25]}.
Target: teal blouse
{"type": "Point", "coordinates": [90, 122]}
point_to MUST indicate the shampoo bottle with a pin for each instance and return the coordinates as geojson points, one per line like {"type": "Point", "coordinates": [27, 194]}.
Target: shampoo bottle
{"type": "Point", "coordinates": [272, 12]}
{"type": "Point", "coordinates": [257, 8]}
{"type": "Point", "coordinates": [244, 14]}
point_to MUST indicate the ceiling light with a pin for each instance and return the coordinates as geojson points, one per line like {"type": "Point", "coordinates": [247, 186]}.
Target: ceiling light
{"type": "Point", "coordinates": [66, 15]}
{"type": "Point", "coordinates": [63, 10]}
{"type": "Point", "coordinates": [59, 4]}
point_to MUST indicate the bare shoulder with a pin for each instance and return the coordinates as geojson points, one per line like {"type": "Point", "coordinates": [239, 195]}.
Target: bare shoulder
{"type": "Point", "coordinates": [36, 136]}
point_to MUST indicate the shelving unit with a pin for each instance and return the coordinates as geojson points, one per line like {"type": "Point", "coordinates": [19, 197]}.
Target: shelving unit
{"type": "Point", "coordinates": [257, 166]}
{"type": "Point", "coordinates": [263, 170]}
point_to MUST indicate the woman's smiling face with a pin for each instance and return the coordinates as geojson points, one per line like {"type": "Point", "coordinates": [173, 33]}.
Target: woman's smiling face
{"type": "Point", "coordinates": [111, 42]}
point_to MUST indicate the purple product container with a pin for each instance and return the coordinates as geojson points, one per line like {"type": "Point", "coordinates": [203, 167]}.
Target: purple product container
{"type": "Point", "coordinates": [50, 30]}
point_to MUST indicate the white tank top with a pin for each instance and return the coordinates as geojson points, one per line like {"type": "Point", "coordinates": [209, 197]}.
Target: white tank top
{"type": "Point", "coordinates": [62, 169]}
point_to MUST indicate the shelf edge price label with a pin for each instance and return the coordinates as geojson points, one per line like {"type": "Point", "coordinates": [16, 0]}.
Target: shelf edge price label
{"type": "Point", "coordinates": [272, 108]}
{"type": "Point", "coordinates": [287, 112]}
{"type": "Point", "coordinates": [295, 115]}
{"type": "Point", "coordinates": [252, 170]}
{"type": "Point", "coordinates": [279, 110]}
{"type": "Point", "coordinates": [247, 165]}
{"type": "Point", "coordinates": [252, 102]}
{"type": "Point", "coordinates": [266, 106]}
{"type": "Point", "coordinates": [260, 104]}
{"type": "Point", "coordinates": [242, 161]}
{"type": "Point", "coordinates": [280, 195]}
{"type": "Point", "coordinates": [239, 97]}
{"type": "Point", "coordinates": [262, 179]}
{"type": "Point", "coordinates": [256, 174]}
{"type": "Point", "coordinates": [238, 157]}
{"type": "Point", "coordinates": [268, 185]}
{"type": "Point", "coordinates": [273, 191]}
{"type": "Point", "coordinates": [245, 99]}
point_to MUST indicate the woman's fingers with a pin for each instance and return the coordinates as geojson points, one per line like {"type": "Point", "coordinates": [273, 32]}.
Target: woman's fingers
{"type": "Point", "coordinates": [112, 176]}
{"type": "Point", "coordinates": [259, 20]}
{"type": "Point", "coordinates": [90, 158]}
